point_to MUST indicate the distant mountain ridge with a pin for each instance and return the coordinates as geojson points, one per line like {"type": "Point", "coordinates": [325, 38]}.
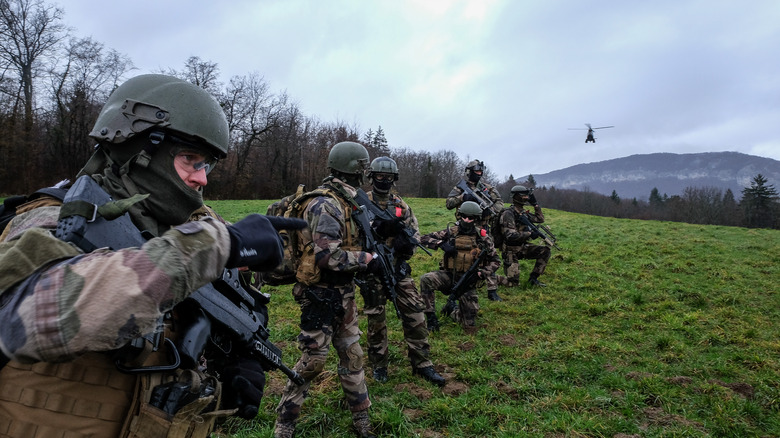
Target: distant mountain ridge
{"type": "Point", "coordinates": [635, 176]}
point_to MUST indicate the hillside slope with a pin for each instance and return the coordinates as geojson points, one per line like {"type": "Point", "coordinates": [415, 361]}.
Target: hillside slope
{"type": "Point", "coordinates": [636, 175]}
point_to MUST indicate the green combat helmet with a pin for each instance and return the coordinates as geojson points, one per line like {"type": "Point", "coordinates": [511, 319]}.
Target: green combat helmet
{"type": "Point", "coordinates": [472, 168]}
{"type": "Point", "coordinates": [470, 208]}
{"type": "Point", "coordinates": [384, 165]}
{"type": "Point", "coordinates": [159, 101]}
{"type": "Point", "coordinates": [519, 192]}
{"type": "Point", "coordinates": [348, 160]}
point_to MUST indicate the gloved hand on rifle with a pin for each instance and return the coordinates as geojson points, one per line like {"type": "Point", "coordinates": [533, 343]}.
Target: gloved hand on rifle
{"type": "Point", "coordinates": [447, 247]}
{"type": "Point", "coordinates": [403, 246]}
{"type": "Point", "coordinates": [534, 235]}
{"type": "Point", "coordinates": [469, 197]}
{"type": "Point", "coordinates": [255, 241]}
{"type": "Point", "coordinates": [388, 228]}
{"type": "Point", "coordinates": [532, 199]}
{"type": "Point", "coordinates": [243, 383]}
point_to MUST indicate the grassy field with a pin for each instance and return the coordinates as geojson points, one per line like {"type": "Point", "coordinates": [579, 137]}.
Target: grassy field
{"type": "Point", "coordinates": [646, 329]}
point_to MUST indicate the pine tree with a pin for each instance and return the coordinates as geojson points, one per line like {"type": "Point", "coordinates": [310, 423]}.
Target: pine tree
{"type": "Point", "coordinates": [759, 203]}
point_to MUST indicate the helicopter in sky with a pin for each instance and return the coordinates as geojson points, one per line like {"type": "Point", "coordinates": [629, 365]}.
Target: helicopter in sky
{"type": "Point", "coordinates": [590, 138]}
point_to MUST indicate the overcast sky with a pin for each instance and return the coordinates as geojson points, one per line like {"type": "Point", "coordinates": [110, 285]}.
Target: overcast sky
{"type": "Point", "coordinates": [498, 80]}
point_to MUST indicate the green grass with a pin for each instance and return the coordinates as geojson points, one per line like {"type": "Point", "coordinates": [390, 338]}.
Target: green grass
{"type": "Point", "coordinates": [646, 329]}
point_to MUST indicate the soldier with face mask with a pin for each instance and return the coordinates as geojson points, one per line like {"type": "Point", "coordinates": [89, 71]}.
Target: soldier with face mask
{"type": "Point", "coordinates": [68, 316]}
{"type": "Point", "coordinates": [325, 291]}
{"type": "Point", "coordinates": [383, 174]}
{"type": "Point", "coordinates": [473, 179]}
{"type": "Point", "coordinates": [517, 237]}
{"type": "Point", "coordinates": [462, 243]}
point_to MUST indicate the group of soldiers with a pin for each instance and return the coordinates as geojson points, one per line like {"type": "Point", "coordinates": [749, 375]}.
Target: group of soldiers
{"type": "Point", "coordinates": [90, 331]}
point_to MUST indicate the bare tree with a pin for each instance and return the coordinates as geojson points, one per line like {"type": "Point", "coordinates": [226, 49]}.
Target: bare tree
{"type": "Point", "coordinates": [204, 74]}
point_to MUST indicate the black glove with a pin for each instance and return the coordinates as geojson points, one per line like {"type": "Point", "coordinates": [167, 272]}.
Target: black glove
{"type": "Point", "coordinates": [254, 242]}
{"type": "Point", "coordinates": [447, 247]}
{"type": "Point", "coordinates": [469, 197]}
{"type": "Point", "coordinates": [374, 266]}
{"type": "Point", "coordinates": [532, 199]}
{"type": "Point", "coordinates": [403, 246]}
{"type": "Point", "coordinates": [535, 235]}
{"type": "Point", "coordinates": [244, 383]}
{"type": "Point", "coordinates": [388, 228]}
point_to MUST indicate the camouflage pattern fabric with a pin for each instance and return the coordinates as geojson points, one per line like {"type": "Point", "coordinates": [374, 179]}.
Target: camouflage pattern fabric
{"type": "Point", "coordinates": [328, 309]}
{"type": "Point", "coordinates": [455, 199]}
{"type": "Point", "coordinates": [410, 303]}
{"type": "Point", "coordinates": [107, 285]}
{"type": "Point", "coordinates": [443, 280]}
{"type": "Point", "coordinates": [521, 248]}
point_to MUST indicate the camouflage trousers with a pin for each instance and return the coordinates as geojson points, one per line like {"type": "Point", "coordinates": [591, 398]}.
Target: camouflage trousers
{"type": "Point", "coordinates": [328, 316]}
{"type": "Point", "coordinates": [512, 254]}
{"type": "Point", "coordinates": [468, 304]}
{"type": "Point", "coordinates": [410, 306]}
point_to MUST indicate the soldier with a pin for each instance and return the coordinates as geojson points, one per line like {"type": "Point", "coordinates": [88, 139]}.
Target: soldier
{"type": "Point", "coordinates": [490, 202]}
{"type": "Point", "coordinates": [383, 174]}
{"type": "Point", "coordinates": [325, 291]}
{"type": "Point", "coordinates": [517, 237]}
{"type": "Point", "coordinates": [68, 316]}
{"type": "Point", "coordinates": [462, 243]}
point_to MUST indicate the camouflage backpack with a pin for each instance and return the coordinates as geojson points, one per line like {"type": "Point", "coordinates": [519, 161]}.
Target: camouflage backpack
{"type": "Point", "coordinates": [298, 264]}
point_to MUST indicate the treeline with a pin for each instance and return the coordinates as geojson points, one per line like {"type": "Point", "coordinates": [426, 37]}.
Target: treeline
{"type": "Point", "coordinates": [759, 206]}
{"type": "Point", "coordinates": [53, 85]}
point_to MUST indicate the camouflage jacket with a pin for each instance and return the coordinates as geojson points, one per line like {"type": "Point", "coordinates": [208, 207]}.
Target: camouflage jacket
{"type": "Point", "coordinates": [59, 303]}
{"type": "Point", "coordinates": [514, 232]}
{"type": "Point", "coordinates": [336, 239]}
{"type": "Point", "coordinates": [491, 263]}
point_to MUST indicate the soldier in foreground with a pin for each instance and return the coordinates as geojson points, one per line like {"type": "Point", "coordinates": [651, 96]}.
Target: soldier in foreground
{"type": "Point", "coordinates": [517, 237]}
{"type": "Point", "coordinates": [71, 318]}
{"type": "Point", "coordinates": [325, 291]}
{"type": "Point", "coordinates": [469, 258]}
{"type": "Point", "coordinates": [472, 188]}
{"type": "Point", "coordinates": [383, 174]}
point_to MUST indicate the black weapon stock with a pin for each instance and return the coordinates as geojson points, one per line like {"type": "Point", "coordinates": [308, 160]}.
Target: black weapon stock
{"type": "Point", "coordinates": [484, 201]}
{"type": "Point", "coordinates": [235, 318]}
{"type": "Point", "coordinates": [544, 231]}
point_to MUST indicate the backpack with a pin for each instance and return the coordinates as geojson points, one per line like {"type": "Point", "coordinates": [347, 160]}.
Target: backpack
{"type": "Point", "coordinates": [298, 264]}
{"type": "Point", "coordinates": [494, 224]}
{"type": "Point", "coordinates": [10, 204]}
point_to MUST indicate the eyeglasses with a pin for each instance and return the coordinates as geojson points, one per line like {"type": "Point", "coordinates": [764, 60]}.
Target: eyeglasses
{"type": "Point", "coordinates": [193, 161]}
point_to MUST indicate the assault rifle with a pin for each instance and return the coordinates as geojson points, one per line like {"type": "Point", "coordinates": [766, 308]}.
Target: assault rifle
{"type": "Point", "coordinates": [384, 255]}
{"type": "Point", "coordinates": [224, 314]}
{"type": "Point", "coordinates": [484, 201]}
{"type": "Point", "coordinates": [465, 281]}
{"type": "Point", "coordinates": [543, 231]}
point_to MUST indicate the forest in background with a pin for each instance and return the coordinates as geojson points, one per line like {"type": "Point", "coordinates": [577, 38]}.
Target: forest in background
{"type": "Point", "coordinates": [54, 83]}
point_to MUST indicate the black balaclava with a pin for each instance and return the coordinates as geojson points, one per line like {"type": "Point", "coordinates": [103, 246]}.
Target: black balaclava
{"type": "Point", "coordinates": [141, 166]}
{"type": "Point", "coordinates": [381, 187]}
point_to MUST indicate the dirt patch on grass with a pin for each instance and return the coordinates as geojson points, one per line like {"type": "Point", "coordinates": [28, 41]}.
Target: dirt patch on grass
{"type": "Point", "coordinates": [455, 389]}
{"type": "Point", "coordinates": [744, 389]}
{"type": "Point", "coordinates": [658, 416]}
{"type": "Point", "coordinates": [506, 388]}
{"type": "Point", "coordinates": [508, 340]}
{"type": "Point", "coordinates": [413, 414]}
{"type": "Point", "coordinates": [467, 346]}
{"type": "Point", "coordinates": [417, 391]}
{"type": "Point", "coordinates": [680, 380]}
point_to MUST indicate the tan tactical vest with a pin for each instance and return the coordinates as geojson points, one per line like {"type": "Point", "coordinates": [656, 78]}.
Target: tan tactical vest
{"type": "Point", "coordinates": [467, 251]}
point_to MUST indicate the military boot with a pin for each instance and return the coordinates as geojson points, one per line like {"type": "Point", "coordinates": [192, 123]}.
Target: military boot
{"type": "Point", "coordinates": [429, 373]}
{"type": "Point", "coordinates": [449, 308]}
{"type": "Point", "coordinates": [380, 374]}
{"type": "Point", "coordinates": [433, 321]}
{"type": "Point", "coordinates": [493, 296]}
{"type": "Point", "coordinates": [284, 429]}
{"type": "Point", "coordinates": [362, 424]}
{"type": "Point", "coordinates": [534, 280]}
